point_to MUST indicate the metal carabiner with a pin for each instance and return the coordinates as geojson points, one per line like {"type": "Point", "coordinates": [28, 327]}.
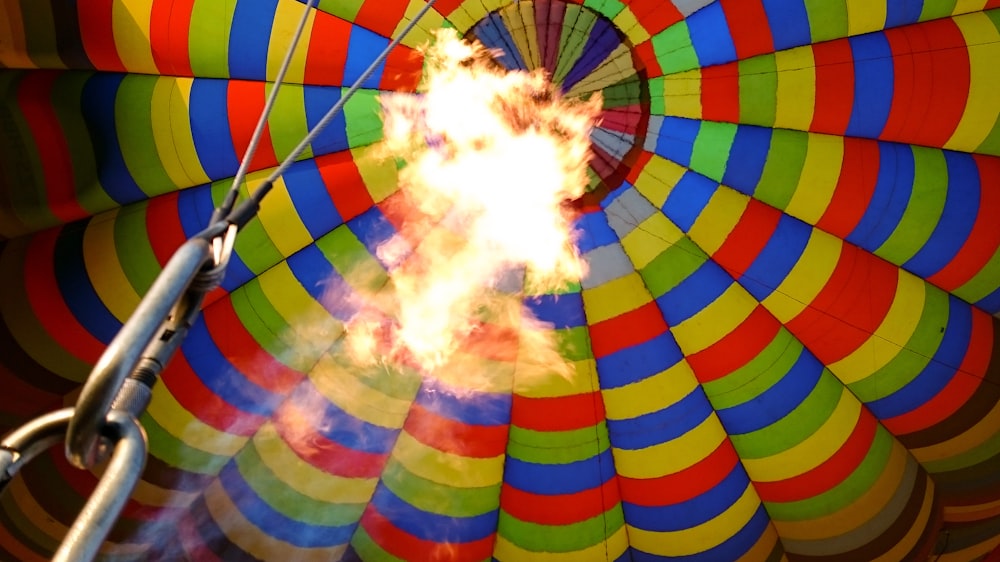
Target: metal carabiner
{"type": "Point", "coordinates": [128, 459]}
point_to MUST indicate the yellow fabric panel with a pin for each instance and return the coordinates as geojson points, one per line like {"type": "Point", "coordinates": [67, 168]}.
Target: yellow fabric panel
{"type": "Point", "coordinates": [916, 532]}
{"type": "Point", "coordinates": [528, 17]}
{"type": "Point", "coordinates": [445, 468]}
{"type": "Point", "coordinates": [651, 394]}
{"type": "Point", "coordinates": [982, 108]}
{"type": "Point", "coordinates": [312, 329]}
{"type": "Point", "coordinates": [304, 478]}
{"type": "Point", "coordinates": [379, 174]}
{"type": "Point", "coordinates": [672, 456]}
{"type": "Point", "coordinates": [531, 383]}
{"type": "Point", "coordinates": [890, 337]}
{"type": "Point", "coordinates": [718, 219]}
{"type": "Point", "coordinates": [806, 279]}
{"type": "Point", "coordinates": [611, 549]}
{"type": "Point", "coordinates": [151, 494]}
{"type": "Point", "coordinates": [814, 450]}
{"type": "Point", "coordinates": [818, 181]}
{"type": "Point", "coordinates": [974, 552]}
{"type": "Point", "coordinates": [865, 16]}
{"type": "Point", "coordinates": [858, 513]}
{"type": "Point", "coordinates": [971, 438]}
{"type": "Point", "coordinates": [626, 21]}
{"type": "Point", "coordinates": [247, 536]}
{"type": "Point", "coordinates": [701, 538]}
{"type": "Point", "coordinates": [971, 513]}
{"type": "Point", "coordinates": [615, 298]}
{"type": "Point", "coordinates": [715, 321]}
{"type": "Point", "coordinates": [615, 68]}
{"type": "Point", "coordinates": [651, 238]}
{"type": "Point", "coordinates": [422, 33]}
{"type": "Point", "coordinates": [796, 96]}
{"type": "Point", "coordinates": [13, 47]}
{"type": "Point", "coordinates": [966, 6]}
{"type": "Point", "coordinates": [657, 179]}
{"type": "Point", "coordinates": [682, 94]}
{"type": "Point", "coordinates": [762, 550]}
{"type": "Point", "coordinates": [130, 25]}
{"type": "Point", "coordinates": [193, 432]}
{"type": "Point", "coordinates": [286, 19]}
{"type": "Point", "coordinates": [172, 131]}
{"type": "Point", "coordinates": [100, 256]}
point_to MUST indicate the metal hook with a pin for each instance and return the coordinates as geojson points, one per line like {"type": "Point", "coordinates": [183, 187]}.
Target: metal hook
{"type": "Point", "coordinates": [127, 440]}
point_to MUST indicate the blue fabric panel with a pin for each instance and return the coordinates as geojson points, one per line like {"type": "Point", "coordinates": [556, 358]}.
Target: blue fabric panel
{"type": "Point", "coordinates": [873, 85]}
{"type": "Point", "coordinates": [659, 427]}
{"type": "Point", "coordinates": [961, 206]}
{"type": "Point", "coordinates": [97, 104]}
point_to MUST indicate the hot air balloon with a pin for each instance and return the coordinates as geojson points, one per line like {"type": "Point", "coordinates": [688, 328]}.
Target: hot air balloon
{"type": "Point", "coordinates": [784, 347]}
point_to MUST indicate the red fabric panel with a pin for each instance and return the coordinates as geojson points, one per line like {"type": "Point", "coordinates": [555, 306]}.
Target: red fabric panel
{"type": "Point", "coordinates": [246, 101]}
{"type": "Point", "coordinates": [984, 240]}
{"type": "Point", "coordinates": [192, 394]}
{"type": "Point", "coordinates": [561, 413]}
{"type": "Point", "coordinates": [456, 437]}
{"type": "Point", "coordinates": [34, 99]}
{"type": "Point", "coordinates": [654, 15]}
{"type": "Point", "coordinates": [684, 485]}
{"type": "Point", "coordinates": [632, 328]}
{"type": "Point", "coordinates": [737, 348]}
{"type": "Point", "coordinates": [720, 93]}
{"type": "Point", "coordinates": [959, 389]}
{"type": "Point", "coordinates": [834, 87]}
{"type": "Point", "coordinates": [169, 34]}
{"type": "Point", "coordinates": [382, 17]}
{"type": "Point", "coordinates": [327, 54]}
{"type": "Point", "coordinates": [931, 83]}
{"type": "Point", "coordinates": [404, 545]}
{"type": "Point", "coordinates": [748, 238]}
{"type": "Point", "coordinates": [849, 308]}
{"type": "Point", "coordinates": [326, 455]}
{"type": "Point", "coordinates": [831, 472]}
{"type": "Point", "coordinates": [858, 176]}
{"type": "Point", "coordinates": [344, 184]}
{"type": "Point", "coordinates": [562, 509]}
{"type": "Point", "coordinates": [749, 27]}
{"type": "Point", "coordinates": [98, 36]}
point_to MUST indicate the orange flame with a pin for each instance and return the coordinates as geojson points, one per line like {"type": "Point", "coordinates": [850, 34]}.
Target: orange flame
{"type": "Point", "coordinates": [491, 159]}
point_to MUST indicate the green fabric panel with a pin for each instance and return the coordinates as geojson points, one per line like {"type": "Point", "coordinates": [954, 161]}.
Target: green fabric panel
{"type": "Point", "coordinates": [756, 376]}
{"type": "Point", "coordinates": [40, 35]}
{"type": "Point", "coordinates": [991, 145]}
{"type": "Point", "coordinates": [624, 93]}
{"type": "Point", "coordinates": [562, 538]}
{"type": "Point", "coordinates": [713, 141]}
{"type": "Point", "coordinates": [827, 19]}
{"type": "Point", "coordinates": [287, 123]}
{"type": "Point", "coordinates": [22, 164]}
{"type": "Point", "coordinates": [657, 105]}
{"type": "Point", "coordinates": [134, 125]}
{"type": "Point", "coordinates": [671, 267]}
{"type": "Point", "coordinates": [923, 210]}
{"type": "Point", "coordinates": [607, 8]}
{"type": "Point", "coordinates": [557, 447]}
{"type": "Point", "coordinates": [936, 9]}
{"type": "Point", "coordinates": [343, 9]}
{"type": "Point", "coordinates": [178, 454]}
{"type": "Point", "coordinates": [351, 259]}
{"type": "Point", "coordinates": [208, 39]}
{"type": "Point", "coordinates": [573, 344]}
{"type": "Point", "coordinates": [432, 497]}
{"type": "Point", "coordinates": [797, 426]}
{"type": "Point", "coordinates": [978, 454]}
{"type": "Point", "coordinates": [758, 78]}
{"type": "Point", "coordinates": [916, 354]}
{"type": "Point", "coordinates": [983, 283]}
{"type": "Point", "coordinates": [134, 251]}
{"type": "Point", "coordinates": [674, 50]}
{"type": "Point", "coordinates": [843, 494]}
{"type": "Point", "coordinates": [785, 160]}
{"type": "Point", "coordinates": [388, 379]}
{"type": "Point", "coordinates": [255, 248]}
{"type": "Point", "coordinates": [66, 104]}
{"type": "Point", "coordinates": [260, 319]}
{"type": "Point", "coordinates": [576, 30]}
{"type": "Point", "coordinates": [367, 549]}
{"type": "Point", "coordinates": [364, 118]}
{"type": "Point", "coordinates": [287, 501]}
